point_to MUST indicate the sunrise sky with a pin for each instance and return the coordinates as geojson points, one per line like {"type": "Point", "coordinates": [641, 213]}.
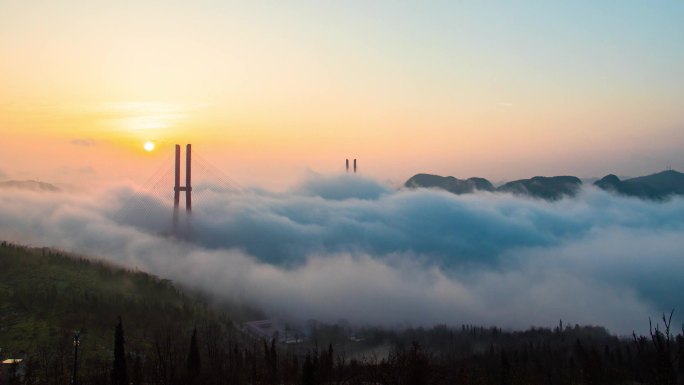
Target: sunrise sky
{"type": "Point", "coordinates": [271, 90]}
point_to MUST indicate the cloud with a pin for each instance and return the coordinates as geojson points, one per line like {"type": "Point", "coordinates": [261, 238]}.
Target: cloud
{"type": "Point", "coordinates": [86, 171]}
{"type": "Point", "coordinates": [83, 142]}
{"type": "Point", "coordinates": [341, 187]}
{"type": "Point", "coordinates": [340, 247]}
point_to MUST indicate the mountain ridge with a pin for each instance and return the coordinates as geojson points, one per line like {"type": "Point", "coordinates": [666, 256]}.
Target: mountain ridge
{"type": "Point", "coordinates": [450, 183]}
{"type": "Point", "coordinates": [656, 186]}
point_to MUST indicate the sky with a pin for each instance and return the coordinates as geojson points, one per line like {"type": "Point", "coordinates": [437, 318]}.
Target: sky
{"type": "Point", "coordinates": [270, 91]}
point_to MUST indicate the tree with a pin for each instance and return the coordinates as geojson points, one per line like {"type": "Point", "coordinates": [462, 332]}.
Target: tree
{"type": "Point", "coordinates": [193, 358]}
{"type": "Point", "coordinates": [119, 374]}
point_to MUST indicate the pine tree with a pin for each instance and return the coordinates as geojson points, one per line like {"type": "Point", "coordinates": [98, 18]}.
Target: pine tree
{"type": "Point", "coordinates": [119, 374]}
{"type": "Point", "coordinates": [193, 357]}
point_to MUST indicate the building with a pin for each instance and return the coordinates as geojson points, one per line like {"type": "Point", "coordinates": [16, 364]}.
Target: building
{"type": "Point", "coordinates": [12, 368]}
{"type": "Point", "coordinates": [269, 329]}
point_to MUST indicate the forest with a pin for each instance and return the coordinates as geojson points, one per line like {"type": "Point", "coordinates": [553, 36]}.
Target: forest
{"type": "Point", "coordinates": [75, 320]}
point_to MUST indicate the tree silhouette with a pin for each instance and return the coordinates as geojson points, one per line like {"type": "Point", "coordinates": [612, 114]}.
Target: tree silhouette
{"type": "Point", "coordinates": [193, 364]}
{"type": "Point", "coordinates": [119, 374]}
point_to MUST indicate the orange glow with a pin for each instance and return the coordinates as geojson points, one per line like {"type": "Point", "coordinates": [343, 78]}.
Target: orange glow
{"type": "Point", "coordinates": [271, 96]}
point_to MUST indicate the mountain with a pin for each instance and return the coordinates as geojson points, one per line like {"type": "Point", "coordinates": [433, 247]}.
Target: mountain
{"type": "Point", "coordinates": [655, 186]}
{"type": "Point", "coordinates": [449, 183]}
{"type": "Point", "coordinates": [29, 185]}
{"type": "Point", "coordinates": [550, 188]}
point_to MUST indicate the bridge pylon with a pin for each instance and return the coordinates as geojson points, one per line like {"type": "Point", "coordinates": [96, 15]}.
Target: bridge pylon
{"type": "Point", "coordinates": [177, 188]}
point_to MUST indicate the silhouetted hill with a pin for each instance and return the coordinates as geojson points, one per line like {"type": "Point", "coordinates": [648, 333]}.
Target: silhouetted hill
{"type": "Point", "coordinates": [551, 188]}
{"type": "Point", "coordinates": [29, 185]}
{"type": "Point", "coordinates": [449, 183]}
{"type": "Point", "coordinates": [613, 184]}
{"type": "Point", "coordinates": [655, 186]}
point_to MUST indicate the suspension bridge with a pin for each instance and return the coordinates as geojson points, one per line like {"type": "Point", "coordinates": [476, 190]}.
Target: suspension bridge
{"type": "Point", "coordinates": [156, 205]}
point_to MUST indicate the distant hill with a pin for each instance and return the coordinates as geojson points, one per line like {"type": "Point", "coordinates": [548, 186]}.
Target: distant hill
{"type": "Point", "coordinates": [655, 186]}
{"type": "Point", "coordinates": [29, 185]}
{"type": "Point", "coordinates": [449, 183]}
{"type": "Point", "coordinates": [550, 188]}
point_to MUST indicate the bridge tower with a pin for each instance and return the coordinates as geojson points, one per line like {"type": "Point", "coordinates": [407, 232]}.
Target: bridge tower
{"type": "Point", "coordinates": [177, 188]}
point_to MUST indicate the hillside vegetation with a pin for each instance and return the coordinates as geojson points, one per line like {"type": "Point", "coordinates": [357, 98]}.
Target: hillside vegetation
{"type": "Point", "coordinates": [47, 295]}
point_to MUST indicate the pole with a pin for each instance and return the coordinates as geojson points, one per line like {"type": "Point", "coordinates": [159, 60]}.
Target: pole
{"type": "Point", "coordinates": [77, 343]}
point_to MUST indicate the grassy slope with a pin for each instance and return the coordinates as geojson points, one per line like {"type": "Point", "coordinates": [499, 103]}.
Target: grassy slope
{"type": "Point", "coordinates": [45, 295]}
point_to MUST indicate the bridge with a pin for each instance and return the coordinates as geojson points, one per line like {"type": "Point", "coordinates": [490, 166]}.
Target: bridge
{"type": "Point", "coordinates": [156, 205]}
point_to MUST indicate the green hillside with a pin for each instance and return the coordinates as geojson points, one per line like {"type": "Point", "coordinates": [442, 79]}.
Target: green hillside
{"type": "Point", "coordinates": [46, 295]}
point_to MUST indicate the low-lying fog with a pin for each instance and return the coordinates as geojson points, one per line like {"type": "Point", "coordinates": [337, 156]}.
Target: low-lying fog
{"type": "Point", "coordinates": [348, 247]}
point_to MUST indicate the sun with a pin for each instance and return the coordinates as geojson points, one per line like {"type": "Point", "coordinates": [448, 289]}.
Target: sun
{"type": "Point", "coordinates": [149, 146]}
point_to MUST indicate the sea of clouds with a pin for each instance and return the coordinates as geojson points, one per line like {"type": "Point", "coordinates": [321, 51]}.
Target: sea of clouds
{"type": "Point", "coordinates": [349, 247]}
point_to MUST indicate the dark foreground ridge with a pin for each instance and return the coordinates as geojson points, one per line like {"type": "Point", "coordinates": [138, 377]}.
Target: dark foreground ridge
{"type": "Point", "coordinates": [656, 186]}
{"type": "Point", "coordinates": [166, 336]}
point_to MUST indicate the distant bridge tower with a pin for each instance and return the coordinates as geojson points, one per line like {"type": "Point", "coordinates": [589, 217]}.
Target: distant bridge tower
{"type": "Point", "coordinates": [177, 188]}
{"type": "Point", "coordinates": [346, 165]}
